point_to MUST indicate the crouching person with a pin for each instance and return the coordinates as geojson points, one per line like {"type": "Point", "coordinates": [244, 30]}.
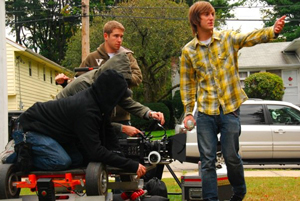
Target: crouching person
{"type": "Point", "coordinates": [68, 132]}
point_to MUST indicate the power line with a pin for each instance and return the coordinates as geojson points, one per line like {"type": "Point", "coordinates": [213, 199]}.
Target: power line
{"type": "Point", "coordinates": [178, 7]}
{"type": "Point", "coordinates": [142, 17]}
{"type": "Point", "coordinates": [59, 17]}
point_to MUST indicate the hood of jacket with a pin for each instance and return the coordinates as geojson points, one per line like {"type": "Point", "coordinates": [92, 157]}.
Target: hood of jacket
{"type": "Point", "coordinates": [108, 90]}
{"type": "Point", "coordinates": [120, 63]}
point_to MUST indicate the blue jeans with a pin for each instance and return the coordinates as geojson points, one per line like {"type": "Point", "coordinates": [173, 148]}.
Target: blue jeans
{"type": "Point", "coordinates": [49, 154]}
{"type": "Point", "coordinates": [208, 126]}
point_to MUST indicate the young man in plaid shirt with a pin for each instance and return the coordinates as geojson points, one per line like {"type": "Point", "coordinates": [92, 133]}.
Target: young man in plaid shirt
{"type": "Point", "coordinates": [209, 75]}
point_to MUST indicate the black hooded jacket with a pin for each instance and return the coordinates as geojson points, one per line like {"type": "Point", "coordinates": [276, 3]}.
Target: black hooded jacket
{"type": "Point", "coordinates": [76, 119]}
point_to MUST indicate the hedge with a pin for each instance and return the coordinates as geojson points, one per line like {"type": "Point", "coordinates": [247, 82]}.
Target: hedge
{"type": "Point", "coordinates": [264, 85]}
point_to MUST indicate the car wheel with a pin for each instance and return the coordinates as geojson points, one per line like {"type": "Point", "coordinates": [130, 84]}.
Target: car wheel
{"type": "Point", "coordinates": [7, 177]}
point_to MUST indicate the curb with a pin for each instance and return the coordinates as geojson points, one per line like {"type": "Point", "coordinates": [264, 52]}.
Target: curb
{"type": "Point", "coordinates": [254, 173]}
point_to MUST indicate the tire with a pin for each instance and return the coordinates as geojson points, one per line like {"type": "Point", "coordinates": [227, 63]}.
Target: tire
{"type": "Point", "coordinates": [96, 179]}
{"type": "Point", "coordinates": [7, 177]}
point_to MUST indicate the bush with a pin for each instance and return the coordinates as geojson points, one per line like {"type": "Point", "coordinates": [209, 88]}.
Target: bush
{"type": "Point", "coordinates": [144, 124]}
{"type": "Point", "coordinates": [267, 86]}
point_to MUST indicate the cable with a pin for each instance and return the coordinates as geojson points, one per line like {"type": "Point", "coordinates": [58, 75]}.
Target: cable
{"type": "Point", "coordinates": [57, 17]}
{"type": "Point", "coordinates": [178, 7]}
{"type": "Point", "coordinates": [141, 17]}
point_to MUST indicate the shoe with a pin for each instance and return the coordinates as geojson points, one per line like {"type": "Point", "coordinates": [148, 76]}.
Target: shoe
{"type": "Point", "coordinates": [236, 198]}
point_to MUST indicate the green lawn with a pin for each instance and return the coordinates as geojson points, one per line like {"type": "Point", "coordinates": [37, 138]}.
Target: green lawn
{"type": "Point", "coordinates": [259, 189]}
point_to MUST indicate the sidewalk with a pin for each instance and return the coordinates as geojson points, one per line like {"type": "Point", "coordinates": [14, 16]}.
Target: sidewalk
{"type": "Point", "coordinates": [191, 169]}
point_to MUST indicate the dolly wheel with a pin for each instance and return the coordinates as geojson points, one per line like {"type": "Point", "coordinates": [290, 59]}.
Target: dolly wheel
{"type": "Point", "coordinates": [7, 177]}
{"type": "Point", "coordinates": [96, 179]}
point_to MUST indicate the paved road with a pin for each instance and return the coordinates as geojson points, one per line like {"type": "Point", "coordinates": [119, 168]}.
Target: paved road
{"type": "Point", "coordinates": [190, 169]}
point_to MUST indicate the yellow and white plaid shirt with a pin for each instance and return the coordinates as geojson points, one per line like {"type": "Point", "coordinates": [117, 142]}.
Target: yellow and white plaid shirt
{"type": "Point", "coordinates": [211, 71]}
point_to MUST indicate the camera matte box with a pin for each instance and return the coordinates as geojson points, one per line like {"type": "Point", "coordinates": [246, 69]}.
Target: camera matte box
{"type": "Point", "coordinates": [192, 187]}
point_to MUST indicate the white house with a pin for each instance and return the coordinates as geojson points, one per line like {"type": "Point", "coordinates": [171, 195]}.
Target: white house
{"type": "Point", "coordinates": [282, 59]}
{"type": "Point", "coordinates": [30, 77]}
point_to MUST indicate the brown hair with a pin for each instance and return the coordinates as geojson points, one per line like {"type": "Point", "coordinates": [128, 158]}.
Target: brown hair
{"type": "Point", "coordinates": [111, 25]}
{"type": "Point", "coordinates": [195, 11]}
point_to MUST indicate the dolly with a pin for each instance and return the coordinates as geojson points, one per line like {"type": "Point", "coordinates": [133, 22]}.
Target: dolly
{"type": "Point", "coordinates": [90, 181]}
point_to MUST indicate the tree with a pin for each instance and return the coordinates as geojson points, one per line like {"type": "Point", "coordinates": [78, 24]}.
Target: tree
{"type": "Point", "coordinates": [159, 29]}
{"type": "Point", "coordinates": [290, 8]}
{"type": "Point", "coordinates": [156, 30]}
{"type": "Point", "coordinates": [46, 26]}
{"type": "Point", "coordinates": [264, 85]}
{"type": "Point", "coordinates": [222, 8]}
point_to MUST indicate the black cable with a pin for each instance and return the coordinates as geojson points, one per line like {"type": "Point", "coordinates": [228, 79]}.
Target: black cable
{"type": "Point", "coordinates": [144, 17]}
{"type": "Point", "coordinates": [178, 7]}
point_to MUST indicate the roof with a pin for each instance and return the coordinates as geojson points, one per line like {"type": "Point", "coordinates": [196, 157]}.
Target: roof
{"type": "Point", "coordinates": [31, 53]}
{"type": "Point", "coordinates": [271, 54]}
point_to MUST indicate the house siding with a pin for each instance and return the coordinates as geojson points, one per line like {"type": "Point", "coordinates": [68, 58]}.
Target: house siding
{"type": "Point", "coordinates": [24, 89]}
{"type": "Point", "coordinates": [10, 60]}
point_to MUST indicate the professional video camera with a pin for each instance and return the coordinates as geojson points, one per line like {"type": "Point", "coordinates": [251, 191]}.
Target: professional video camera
{"type": "Point", "coordinates": [160, 151]}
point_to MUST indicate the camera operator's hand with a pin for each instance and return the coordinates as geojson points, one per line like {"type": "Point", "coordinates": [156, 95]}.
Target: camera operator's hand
{"type": "Point", "coordinates": [157, 115]}
{"type": "Point", "coordinates": [189, 122]}
{"type": "Point", "coordinates": [141, 171]}
{"type": "Point", "coordinates": [60, 78]}
{"type": "Point", "coordinates": [130, 130]}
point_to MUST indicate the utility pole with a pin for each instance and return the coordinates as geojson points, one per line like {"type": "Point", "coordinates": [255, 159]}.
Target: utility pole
{"type": "Point", "coordinates": [3, 81]}
{"type": "Point", "coordinates": [85, 33]}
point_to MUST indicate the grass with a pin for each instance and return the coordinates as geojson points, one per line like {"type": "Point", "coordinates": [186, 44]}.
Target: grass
{"type": "Point", "coordinates": [258, 189]}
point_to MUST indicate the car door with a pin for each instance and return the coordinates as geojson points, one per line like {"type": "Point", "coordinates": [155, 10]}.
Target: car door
{"type": "Point", "coordinates": [285, 131]}
{"type": "Point", "coordinates": [256, 136]}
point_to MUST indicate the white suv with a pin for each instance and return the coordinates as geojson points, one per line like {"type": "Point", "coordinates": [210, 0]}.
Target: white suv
{"type": "Point", "coordinates": [270, 133]}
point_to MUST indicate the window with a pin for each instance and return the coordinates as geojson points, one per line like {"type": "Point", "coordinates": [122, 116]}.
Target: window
{"type": "Point", "coordinates": [252, 72]}
{"type": "Point", "coordinates": [38, 71]}
{"type": "Point", "coordinates": [284, 115]}
{"type": "Point", "coordinates": [44, 73]}
{"type": "Point", "coordinates": [244, 75]}
{"type": "Point", "coordinates": [252, 115]}
{"type": "Point", "coordinates": [29, 66]}
{"type": "Point", "coordinates": [276, 72]}
{"type": "Point", "coordinates": [51, 78]}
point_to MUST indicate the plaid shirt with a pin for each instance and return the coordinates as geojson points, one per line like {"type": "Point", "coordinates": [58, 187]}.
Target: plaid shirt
{"type": "Point", "coordinates": [211, 71]}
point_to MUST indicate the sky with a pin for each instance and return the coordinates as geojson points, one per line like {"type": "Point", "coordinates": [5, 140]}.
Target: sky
{"type": "Point", "coordinates": [246, 26]}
